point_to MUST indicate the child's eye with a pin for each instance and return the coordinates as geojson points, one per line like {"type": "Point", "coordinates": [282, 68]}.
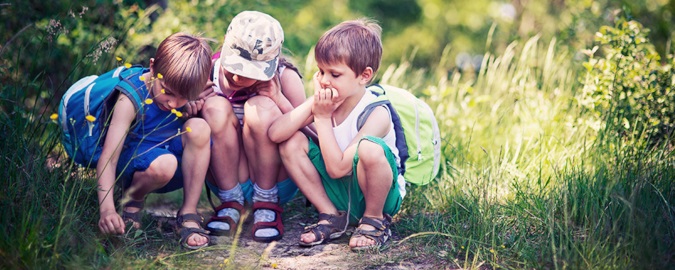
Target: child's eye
{"type": "Point", "coordinates": [335, 75]}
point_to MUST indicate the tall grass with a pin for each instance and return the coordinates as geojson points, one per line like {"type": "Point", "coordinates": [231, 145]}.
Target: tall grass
{"type": "Point", "coordinates": [530, 181]}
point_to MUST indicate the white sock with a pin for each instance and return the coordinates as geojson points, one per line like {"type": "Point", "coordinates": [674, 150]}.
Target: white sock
{"type": "Point", "coordinates": [234, 194]}
{"type": "Point", "coordinates": [265, 215]}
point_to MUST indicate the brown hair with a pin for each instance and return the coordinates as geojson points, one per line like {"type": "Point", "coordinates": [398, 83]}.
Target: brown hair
{"type": "Point", "coordinates": [357, 43]}
{"type": "Point", "coordinates": [184, 61]}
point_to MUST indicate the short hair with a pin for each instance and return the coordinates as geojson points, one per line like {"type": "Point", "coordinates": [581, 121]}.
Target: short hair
{"type": "Point", "coordinates": [184, 60]}
{"type": "Point", "coordinates": [356, 43]}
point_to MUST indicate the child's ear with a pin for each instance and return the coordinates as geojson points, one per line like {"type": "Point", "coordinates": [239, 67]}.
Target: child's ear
{"type": "Point", "coordinates": [367, 75]}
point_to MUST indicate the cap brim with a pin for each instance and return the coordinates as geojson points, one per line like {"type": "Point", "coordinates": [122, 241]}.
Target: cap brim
{"type": "Point", "coordinates": [258, 70]}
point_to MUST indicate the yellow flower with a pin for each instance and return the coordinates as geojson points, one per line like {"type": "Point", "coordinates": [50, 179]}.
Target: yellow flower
{"type": "Point", "coordinates": [148, 101]}
{"type": "Point", "coordinates": [188, 129]}
{"type": "Point", "coordinates": [179, 114]}
{"type": "Point", "coordinates": [492, 251]}
{"type": "Point", "coordinates": [54, 116]}
{"type": "Point", "coordinates": [127, 65]}
{"type": "Point", "coordinates": [142, 78]}
{"type": "Point", "coordinates": [274, 265]}
{"type": "Point", "coordinates": [159, 76]}
{"type": "Point", "coordinates": [118, 58]}
{"type": "Point", "coordinates": [173, 111]}
{"type": "Point", "coordinates": [163, 91]}
{"type": "Point", "coordinates": [90, 118]}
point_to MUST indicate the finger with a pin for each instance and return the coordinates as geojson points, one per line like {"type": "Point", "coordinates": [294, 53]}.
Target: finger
{"type": "Point", "coordinates": [333, 93]}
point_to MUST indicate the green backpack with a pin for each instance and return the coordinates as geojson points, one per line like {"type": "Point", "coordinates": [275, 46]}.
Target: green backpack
{"type": "Point", "coordinates": [418, 138]}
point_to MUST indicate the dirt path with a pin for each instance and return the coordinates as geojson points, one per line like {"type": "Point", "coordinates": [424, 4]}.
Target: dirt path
{"type": "Point", "coordinates": [286, 253]}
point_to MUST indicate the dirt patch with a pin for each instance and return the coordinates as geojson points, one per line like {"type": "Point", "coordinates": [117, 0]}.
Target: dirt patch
{"type": "Point", "coordinates": [286, 253]}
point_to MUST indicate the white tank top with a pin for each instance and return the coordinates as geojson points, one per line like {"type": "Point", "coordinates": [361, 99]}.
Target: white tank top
{"type": "Point", "coordinates": [346, 131]}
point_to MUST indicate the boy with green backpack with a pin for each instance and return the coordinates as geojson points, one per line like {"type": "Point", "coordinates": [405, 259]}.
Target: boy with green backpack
{"type": "Point", "coordinates": [354, 172]}
{"type": "Point", "coordinates": [127, 124]}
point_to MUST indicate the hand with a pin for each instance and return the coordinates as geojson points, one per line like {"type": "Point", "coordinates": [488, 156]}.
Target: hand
{"type": "Point", "coordinates": [271, 88]}
{"type": "Point", "coordinates": [326, 100]}
{"type": "Point", "coordinates": [111, 223]}
{"type": "Point", "coordinates": [193, 107]}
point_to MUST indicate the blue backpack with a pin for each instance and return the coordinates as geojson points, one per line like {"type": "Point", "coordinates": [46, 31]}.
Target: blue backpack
{"type": "Point", "coordinates": [418, 138]}
{"type": "Point", "coordinates": [85, 111]}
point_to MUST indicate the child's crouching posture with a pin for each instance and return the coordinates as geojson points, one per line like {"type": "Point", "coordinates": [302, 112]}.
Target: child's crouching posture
{"type": "Point", "coordinates": [349, 175]}
{"type": "Point", "coordinates": [169, 152]}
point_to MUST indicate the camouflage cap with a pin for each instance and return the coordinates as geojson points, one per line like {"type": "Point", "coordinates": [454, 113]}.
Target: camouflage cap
{"type": "Point", "coordinates": [252, 45]}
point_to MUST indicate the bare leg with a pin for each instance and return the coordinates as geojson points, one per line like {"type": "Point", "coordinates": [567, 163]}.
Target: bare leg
{"type": "Point", "coordinates": [294, 155]}
{"type": "Point", "coordinates": [157, 175]}
{"type": "Point", "coordinates": [375, 180]}
{"type": "Point", "coordinates": [262, 154]}
{"type": "Point", "coordinates": [225, 149]}
{"type": "Point", "coordinates": [195, 161]}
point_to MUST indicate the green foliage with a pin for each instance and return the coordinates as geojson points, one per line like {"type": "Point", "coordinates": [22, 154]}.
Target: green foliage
{"type": "Point", "coordinates": [628, 87]}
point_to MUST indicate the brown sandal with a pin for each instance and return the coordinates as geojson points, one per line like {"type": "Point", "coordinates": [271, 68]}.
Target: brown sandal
{"type": "Point", "coordinates": [186, 232]}
{"type": "Point", "coordinates": [380, 234]}
{"type": "Point", "coordinates": [337, 225]}
{"type": "Point", "coordinates": [133, 218]}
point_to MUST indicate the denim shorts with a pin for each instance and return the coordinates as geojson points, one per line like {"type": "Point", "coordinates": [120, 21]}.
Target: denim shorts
{"type": "Point", "coordinates": [138, 157]}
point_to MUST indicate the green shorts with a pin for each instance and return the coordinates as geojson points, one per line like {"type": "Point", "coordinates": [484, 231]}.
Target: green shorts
{"type": "Point", "coordinates": [341, 190]}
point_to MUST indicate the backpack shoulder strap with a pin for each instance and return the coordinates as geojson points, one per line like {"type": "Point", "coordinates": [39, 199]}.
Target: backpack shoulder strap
{"type": "Point", "coordinates": [131, 90]}
{"type": "Point", "coordinates": [380, 101]}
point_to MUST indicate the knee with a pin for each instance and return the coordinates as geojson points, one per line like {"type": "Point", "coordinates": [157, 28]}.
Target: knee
{"type": "Point", "coordinates": [197, 131]}
{"type": "Point", "coordinates": [291, 146]}
{"type": "Point", "coordinates": [162, 169]}
{"type": "Point", "coordinates": [370, 153]}
{"type": "Point", "coordinates": [259, 113]}
{"type": "Point", "coordinates": [219, 114]}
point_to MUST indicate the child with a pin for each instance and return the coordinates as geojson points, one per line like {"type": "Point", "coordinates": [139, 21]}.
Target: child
{"type": "Point", "coordinates": [254, 86]}
{"type": "Point", "coordinates": [160, 160]}
{"type": "Point", "coordinates": [349, 174]}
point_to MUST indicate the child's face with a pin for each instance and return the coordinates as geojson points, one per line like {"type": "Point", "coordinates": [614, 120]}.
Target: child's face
{"type": "Point", "coordinates": [341, 78]}
{"type": "Point", "coordinates": [236, 82]}
{"type": "Point", "coordinates": [165, 97]}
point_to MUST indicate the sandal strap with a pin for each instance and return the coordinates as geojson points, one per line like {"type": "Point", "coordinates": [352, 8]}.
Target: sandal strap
{"type": "Point", "coordinates": [379, 224]}
{"type": "Point", "coordinates": [269, 206]}
{"type": "Point", "coordinates": [134, 203]}
{"type": "Point", "coordinates": [185, 233]}
{"type": "Point", "coordinates": [231, 204]}
{"type": "Point", "coordinates": [339, 221]}
{"type": "Point", "coordinates": [182, 218]}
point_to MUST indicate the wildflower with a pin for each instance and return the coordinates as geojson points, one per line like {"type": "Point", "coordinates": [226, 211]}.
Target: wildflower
{"type": "Point", "coordinates": [54, 116]}
{"type": "Point", "coordinates": [148, 100]}
{"type": "Point", "coordinates": [188, 129]}
{"type": "Point", "coordinates": [178, 114]}
{"type": "Point", "coordinates": [90, 118]}
{"type": "Point", "coordinates": [492, 251]}
{"type": "Point", "coordinates": [142, 78]}
{"type": "Point", "coordinates": [163, 91]}
{"type": "Point", "coordinates": [119, 59]}
{"type": "Point", "coordinates": [127, 65]}
{"type": "Point", "coordinates": [174, 111]}
{"type": "Point", "coordinates": [159, 76]}
{"type": "Point", "coordinates": [503, 246]}
{"type": "Point", "coordinates": [274, 265]}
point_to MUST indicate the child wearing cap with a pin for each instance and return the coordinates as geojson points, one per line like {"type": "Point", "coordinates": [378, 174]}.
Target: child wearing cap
{"type": "Point", "coordinates": [350, 175]}
{"type": "Point", "coordinates": [254, 86]}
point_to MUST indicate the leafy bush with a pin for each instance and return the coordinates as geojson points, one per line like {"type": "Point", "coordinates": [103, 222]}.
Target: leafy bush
{"type": "Point", "coordinates": [627, 87]}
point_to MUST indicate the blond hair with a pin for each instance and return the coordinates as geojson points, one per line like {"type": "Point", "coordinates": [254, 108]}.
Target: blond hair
{"type": "Point", "coordinates": [356, 43]}
{"type": "Point", "coordinates": [184, 61]}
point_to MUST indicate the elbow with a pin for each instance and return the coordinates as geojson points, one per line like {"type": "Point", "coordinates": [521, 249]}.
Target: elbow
{"type": "Point", "coordinates": [275, 136]}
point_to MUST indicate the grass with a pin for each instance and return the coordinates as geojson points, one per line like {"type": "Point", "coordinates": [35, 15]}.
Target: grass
{"type": "Point", "coordinates": [528, 181]}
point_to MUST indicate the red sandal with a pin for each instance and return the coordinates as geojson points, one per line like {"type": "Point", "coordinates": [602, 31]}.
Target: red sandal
{"type": "Point", "coordinates": [276, 224]}
{"type": "Point", "coordinates": [226, 219]}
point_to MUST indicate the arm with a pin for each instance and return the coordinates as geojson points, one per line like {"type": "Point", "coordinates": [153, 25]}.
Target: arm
{"type": "Point", "coordinates": [123, 115]}
{"type": "Point", "coordinates": [289, 123]}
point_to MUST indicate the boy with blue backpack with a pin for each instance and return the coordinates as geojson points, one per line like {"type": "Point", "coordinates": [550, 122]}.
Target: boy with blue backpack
{"type": "Point", "coordinates": [354, 172]}
{"type": "Point", "coordinates": [127, 124]}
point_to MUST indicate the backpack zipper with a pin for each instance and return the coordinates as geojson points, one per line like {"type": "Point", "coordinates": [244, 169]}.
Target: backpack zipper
{"type": "Point", "coordinates": [417, 131]}
{"type": "Point", "coordinates": [86, 107]}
